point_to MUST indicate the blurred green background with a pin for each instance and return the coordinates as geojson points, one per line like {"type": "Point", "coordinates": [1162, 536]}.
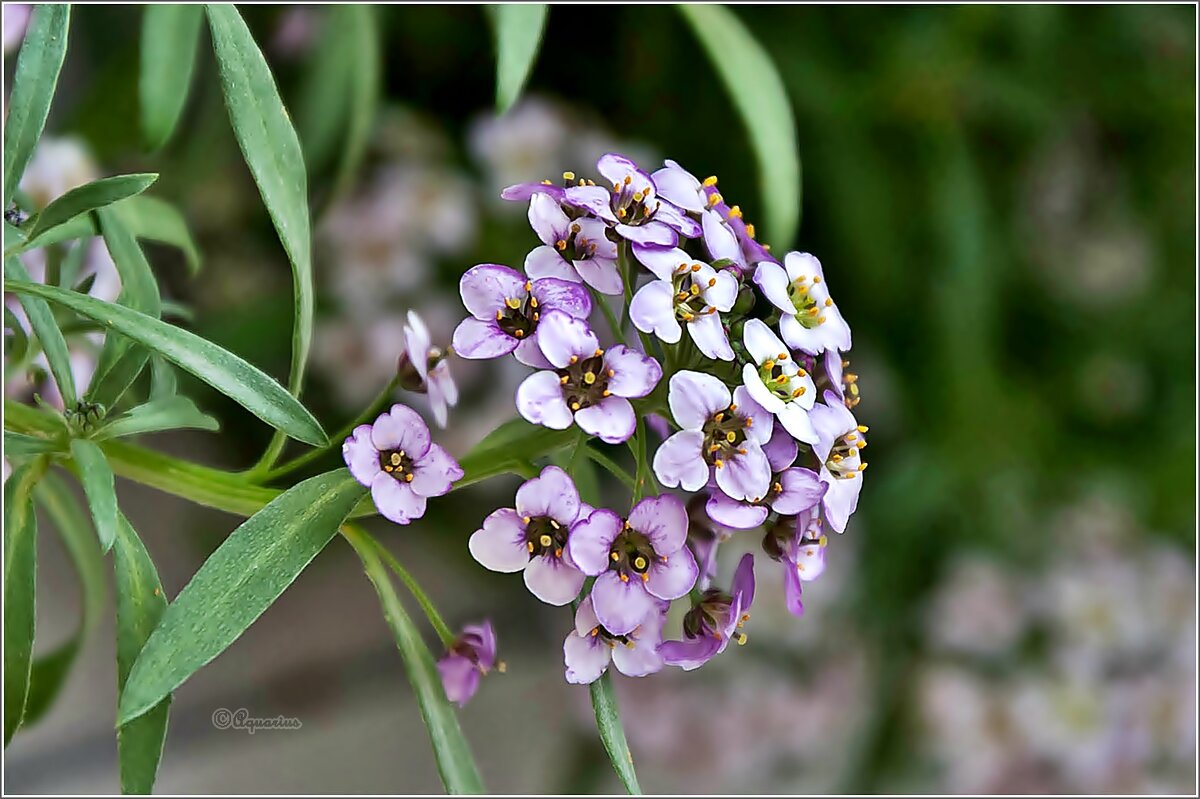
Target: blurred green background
{"type": "Point", "coordinates": [1005, 200]}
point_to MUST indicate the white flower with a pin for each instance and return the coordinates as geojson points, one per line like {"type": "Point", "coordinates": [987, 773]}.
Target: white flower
{"type": "Point", "coordinates": [777, 382]}
{"type": "Point", "coordinates": [686, 291]}
{"type": "Point", "coordinates": [811, 320]}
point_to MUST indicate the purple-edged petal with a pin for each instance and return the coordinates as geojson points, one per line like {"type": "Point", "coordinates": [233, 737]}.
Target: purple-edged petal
{"type": "Point", "coordinates": [521, 192]}
{"type": "Point", "coordinates": [745, 476]}
{"type": "Point", "coordinates": [773, 281]}
{"type": "Point", "coordinates": [798, 422]}
{"type": "Point", "coordinates": [678, 461]}
{"type": "Point", "coordinates": [636, 374]}
{"type": "Point", "coordinates": [547, 219]}
{"type": "Point", "coordinates": [545, 261]}
{"type": "Point", "coordinates": [529, 352]}
{"type": "Point", "coordinates": [690, 654]}
{"type": "Point", "coordinates": [719, 240]}
{"type": "Point", "coordinates": [616, 167]}
{"type": "Point", "coordinates": [762, 424]}
{"type": "Point", "coordinates": [586, 658]}
{"type": "Point", "coordinates": [596, 199]}
{"type": "Point", "coordinates": [563, 337]}
{"type": "Point", "coordinates": [761, 342]}
{"type": "Point", "coordinates": [732, 513]}
{"type": "Point", "coordinates": [612, 420]}
{"type": "Point", "coordinates": [552, 494]}
{"type": "Point", "coordinates": [500, 544]}
{"type": "Point", "coordinates": [460, 678]}
{"type": "Point", "coordinates": [478, 339]}
{"type": "Point", "coordinates": [540, 401]}
{"type": "Point", "coordinates": [620, 606]}
{"type": "Point", "coordinates": [360, 455]}
{"type": "Point", "coordinates": [653, 311]}
{"type": "Point", "coordinates": [781, 450]}
{"type": "Point", "coordinates": [552, 581]}
{"type": "Point", "coordinates": [562, 295]}
{"type": "Point", "coordinates": [830, 421]}
{"type": "Point", "coordinates": [485, 287]}
{"type": "Point", "coordinates": [841, 500]}
{"type": "Point", "coordinates": [601, 274]}
{"type": "Point", "coordinates": [595, 233]}
{"type": "Point", "coordinates": [665, 264]}
{"type": "Point", "coordinates": [662, 519]}
{"type": "Point", "coordinates": [743, 581]}
{"type": "Point", "coordinates": [810, 561]}
{"type": "Point", "coordinates": [792, 590]}
{"type": "Point", "coordinates": [673, 577]}
{"type": "Point", "coordinates": [678, 220]}
{"type": "Point", "coordinates": [401, 428]}
{"type": "Point", "coordinates": [676, 184]}
{"type": "Point", "coordinates": [585, 617]}
{"type": "Point", "coordinates": [695, 397]}
{"type": "Point", "coordinates": [638, 660]}
{"type": "Point", "coordinates": [708, 333]}
{"type": "Point", "coordinates": [396, 500]}
{"type": "Point", "coordinates": [591, 540]}
{"type": "Point", "coordinates": [802, 490]}
{"type": "Point", "coordinates": [435, 473]}
{"type": "Point", "coordinates": [417, 343]}
{"type": "Point", "coordinates": [652, 234]}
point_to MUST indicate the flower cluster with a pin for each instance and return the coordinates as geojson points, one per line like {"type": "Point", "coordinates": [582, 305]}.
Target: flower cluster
{"type": "Point", "coordinates": [757, 407]}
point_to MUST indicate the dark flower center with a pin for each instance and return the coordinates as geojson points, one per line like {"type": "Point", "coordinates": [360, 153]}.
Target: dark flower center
{"type": "Point", "coordinates": [408, 376]}
{"type": "Point", "coordinates": [576, 247]}
{"type": "Point", "coordinates": [519, 316]}
{"type": "Point", "coordinates": [845, 459]}
{"type": "Point", "coordinates": [724, 434]}
{"type": "Point", "coordinates": [633, 207]}
{"type": "Point", "coordinates": [397, 464]}
{"type": "Point", "coordinates": [631, 554]}
{"type": "Point", "coordinates": [544, 536]}
{"type": "Point", "coordinates": [585, 381]}
{"type": "Point", "coordinates": [709, 616]}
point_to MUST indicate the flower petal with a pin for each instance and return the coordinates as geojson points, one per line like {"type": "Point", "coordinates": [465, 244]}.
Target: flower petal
{"type": "Point", "coordinates": [695, 397]}
{"type": "Point", "coordinates": [676, 184]}
{"type": "Point", "coordinates": [747, 475]}
{"type": "Point", "coordinates": [360, 455]}
{"type": "Point", "coordinates": [720, 240]}
{"type": "Point", "coordinates": [485, 287]}
{"type": "Point", "coordinates": [653, 311]}
{"type": "Point", "coordinates": [594, 232]}
{"type": "Point", "coordinates": [545, 261]}
{"type": "Point", "coordinates": [723, 293]}
{"type": "Point", "coordinates": [595, 199]}
{"type": "Point", "coordinates": [478, 339]}
{"type": "Point", "coordinates": [708, 333]}
{"type": "Point", "coordinates": [653, 234]}
{"type": "Point", "coordinates": [521, 192]}
{"type": "Point", "coordinates": [664, 263]}
{"type": "Point", "coordinates": [562, 295]}
{"type": "Point", "coordinates": [552, 581]}
{"type": "Point", "coordinates": [547, 219]}
{"type": "Point", "coordinates": [552, 494]}
{"type": "Point", "coordinates": [435, 473]}
{"type": "Point", "coordinates": [781, 449]}
{"type": "Point", "coordinates": [635, 375]}
{"type": "Point", "coordinates": [674, 576]}
{"type": "Point", "coordinates": [612, 420]}
{"type": "Point", "coordinates": [529, 352]}
{"type": "Point", "coordinates": [674, 216]}
{"type": "Point", "coordinates": [417, 343]}
{"type": "Point", "coordinates": [802, 490]}
{"type": "Point", "coordinates": [396, 500]}
{"type": "Point", "coordinates": [499, 544]}
{"type": "Point", "coordinates": [662, 519]}
{"type": "Point", "coordinates": [460, 678]}
{"type": "Point", "coordinates": [732, 513]}
{"type": "Point", "coordinates": [638, 658]}
{"type": "Point", "coordinates": [840, 500]}
{"type": "Point", "coordinates": [678, 461]}
{"type": "Point", "coordinates": [762, 421]}
{"type": "Point", "coordinates": [761, 342]}
{"type": "Point", "coordinates": [616, 167]}
{"type": "Point", "coordinates": [797, 422]}
{"type": "Point", "coordinates": [792, 590]}
{"type": "Point", "coordinates": [690, 654]}
{"type": "Point", "coordinates": [540, 401]}
{"type": "Point", "coordinates": [752, 382]}
{"type": "Point", "coordinates": [401, 428]}
{"type": "Point", "coordinates": [591, 540]}
{"type": "Point", "coordinates": [563, 337]}
{"type": "Point", "coordinates": [742, 585]}
{"type": "Point", "coordinates": [620, 606]}
{"type": "Point", "coordinates": [773, 281]}
{"type": "Point", "coordinates": [601, 274]}
{"type": "Point", "coordinates": [586, 658]}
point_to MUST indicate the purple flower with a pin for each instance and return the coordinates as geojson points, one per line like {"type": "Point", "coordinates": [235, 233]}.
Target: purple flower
{"type": "Point", "coordinates": [792, 489]}
{"type": "Point", "coordinates": [752, 251]}
{"type": "Point", "coordinates": [811, 320]}
{"type": "Point", "coordinates": [716, 434]}
{"type": "Point", "coordinates": [505, 311]}
{"type": "Point", "coordinates": [799, 545]}
{"type": "Point", "coordinates": [704, 537]}
{"type": "Point", "coordinates": [590, 646]}
{"type": "Point", "coordinates": [777, 382]}
{"type": "Point", "coordinates": [680, 187]}
{"type": "Point", "coordinates": [576, 250]}
{"type": "Point", "coordinates": [425, 368]}
{"type": "Point", "coordinates": [470, 657]}
{"type": "Point", "coordinates": [715, 620]}
{"type": "Point", "coordinates": [533, 537]}
{"type": "Point", "coordinates": [721, 242]}
{"type": "Point", "coordinates": [402, 466]}
{"type": "Point", "coordinates": [838, 448]}
{"type": "Point", "coordinates": [632, 206]}
{"type": "Point", "coordinates": [522, 192]}
{"type": "Point", "coordinates": [587, 384]}
{"type": "Point", "coordinates": [636, 561]}
{"type": "Point", "coordinates": [686, 291]}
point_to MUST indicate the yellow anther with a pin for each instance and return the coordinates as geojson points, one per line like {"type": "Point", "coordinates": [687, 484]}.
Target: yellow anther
{"type": "Point", "coordinates": [828, 302]}
{"type": "Point", "coordinates": [769, 365]}
{"type": "Point", "coordinates": [711, 180]}
{"type": "Point", "coordinates": [624, 578]}
{"type": "Point", "coordinates": [628, 180]}
{"type": "Point", "coordinates": [748, 421]}
{"type": "Point", "coordinates": [574, 359]}
{"type": "Point", "coordinates": [741, 638]}
{"type": "Point", "coordinates": [733, 407]}
{"type": "Point", "coordinates": [545, 540]}
{"type": "Point", "coordinates": [575, 406]}
{"type": "Point", "coordinates": [595, 631]}
{"type": "Point", "coordinates": [612, 372]}
{"type": "Point", "coordinates": [798, 392]}
{"type": "Point", "coordinates": [519, 333]}
{"type": "Point", "coordinates": [820, 320]}
{"type": "Point", "coordinates": [719, 416]}
{"type": "Point", "coordinates": [558, 552]}
{"type": "Point", "coordinates": [715, 448]}
{"type": "Point", "coordinates": [606, 393]}
{"type": "Point", "coordinates": [735, 212]}
{"type": "Point", "coordinates": [695, 289]}
{"type": "Point", "coordinates": [742, 451]}
{"type": "Point", "coordinates": [563, 380]}
{"type": "Point", "coordinates": [575, 228]}
{"type": "Point", "coordinates": [862, 428]}
{"type": "Point", "coordinates": [512, 302]}
{"type": "Point", "coordinates": [712, 281]}
{"type": "Point", "coordinates": [816, 278]}
{"type": "Point", "coordinates": [778, 488]}
{"type": "Point", "coordinates": [568, 175]}
{"type": "Point", "coordinates": [615, 556]}
{"type": "Point", "coordinates": [823, 541]}
{"type": "Point", "coordinates": [597, 353]}
{"type": "Point", "coordinates": [862, 467]}
{"type": "Point", "coordinates": [687, 317]}
{"type": "Point", "coordinates": [589, 377]}
{"type": "Point", "coordinates": [639, 562]}
{"type": "Point", "coordinates": [801, 373]}
{"type": "Point", "coordinates": [499, 315]}
{"type": "Point", "coordinates": [720, 464]}
{"type": "Point", "coordinates": [502, 667]}
{"type": "Point", "coordinates": [750, 230]}
{"type": "Point", "coordinates": [533, 303]}
{"type": "Point", "coordinates": [529, 545]}
{"type": "Point", "coordinates": [547, 182]}
{"type": "Point", "coordinates": [714, 198]}
{"type": "Point", "coordinates": [561, 244]}
{"type": "Point", "coordinates": [836, 458]}
{"type": "Point", "coordinates": [529, 285]}
{"type": "Point", "coordinates": [783, 356]}
{"type": "Point", "coordinates": [781, 379]}
{"type": "Point", "coordinates": [621, 213]}
{"type": "Point", "coordinates": [408, 478]}
{"type": "Point", "coordinates": [555, 525]}
{"type": "Point", "coordinates": [696, 267]}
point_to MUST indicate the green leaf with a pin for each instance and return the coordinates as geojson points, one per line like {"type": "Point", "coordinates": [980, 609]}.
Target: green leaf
{"type": "Point", "coordinates": [272, 152]}
{"type": "Point", "coordinates": [20, 590]}
{"type": "Point", "coordinates": [33, 85]}
{"type": "Point", "coordinates": [168, 413]}
{"type": "Point", "coordinates": [360, 40]}
{"type": "Point", "coordinates": [163, 384]}
{"type": "Point", "coordinates": [140, 606]}
{"type": "Point", "coordinates": [41, 320]}
{"type": "Point", "coordinates": [121, 361]}
{"type": "Point", "coordinates": [50, 671]}
{"type": "Point", "coordinates": [221, 369]}
{"type": "Point", "coordinates": [237, 584]}
{"type": "Point", "coordinates": [518, 29]}
{"type": "Point", "coordinates": [758, 92]}
{"type": "Point", "coordinates": [510, 448]}
{"type": "Point", "coordinates": [612, 734]}
{"type": "Point", "coordinates": [96, 477]}
{"type": "Point", "coordinates": [88, 197]}
{"type": "Point", "coordinates": [170, 35]}
{"type": "Point", "coordinates": [450, 749]}
{"type": "Point", "coordinates": [17, 444]}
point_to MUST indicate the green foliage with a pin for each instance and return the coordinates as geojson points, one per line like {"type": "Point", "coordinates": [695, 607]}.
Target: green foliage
{"type": "Point", "coordinates": [20, 590]}
{"type": "Point", "coordinates": [44, 326]}
{"type": "Point", "coordinates": [88, 197]}
{"type": "Point", "coordinates": [170, 37]}
{"type": "Point", "coordinates": [518, 31]}
{"type": "Point", "coordinates": [98, 485]}
{"type": "Point", "coordinates": [612, 734]}
{"type": "Point", "coordinates": [166, 413]}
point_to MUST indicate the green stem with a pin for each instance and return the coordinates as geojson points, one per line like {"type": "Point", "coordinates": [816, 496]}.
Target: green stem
{"type": "Point", "coordinates": [611, 466]}
{"type": "Point", "coordinates": [414, 588]}
{"type": "Point", "coordinates": [612, 734]}
{"type": "Point", "coordinates": [617, 329]}
{"type": "Point", "coordinates": [335, 440]}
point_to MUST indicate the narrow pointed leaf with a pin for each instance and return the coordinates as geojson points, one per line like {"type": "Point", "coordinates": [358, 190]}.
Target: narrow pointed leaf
{"type": "Point", "coordinates": [612, 734]}
{"type": "Point", "coordinates": [455, 763]}
{"type": "Point", "coordinates": [170, 36]}
{"type": "Point", "coordinates": [171, 413]}
{"type": "Point", "coordinates": [141, 603]}
{"type": "Point", "coordinates": [49, 336]}
{"type": "Point", "coordinates": [758, 93]}
{"type": "Point", "coordinates": [163, 384]}
{"type": "Point", "coordinates": [34, 81]}
{"type": "Point", "coordinates": [89, 197]}
{"type": "Point", "coordinates": [509, 449]}
{"type": "Point", "coordinates": [20, 590]}
{"type": "Point", "coordinates": [361, 41]}
{"type": "Point", "coordinates": [98, 485]}
{"type": "Point", "coordinates": [272, 152]}
{"type": "Point", "coordinates": [257, 562]}
{"type": "Point", "coordinates": [18, 444]}
{"type": "Point", "coordinates": [518, 29]}
{"type": "Point", "coordinates": [221, 369]}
